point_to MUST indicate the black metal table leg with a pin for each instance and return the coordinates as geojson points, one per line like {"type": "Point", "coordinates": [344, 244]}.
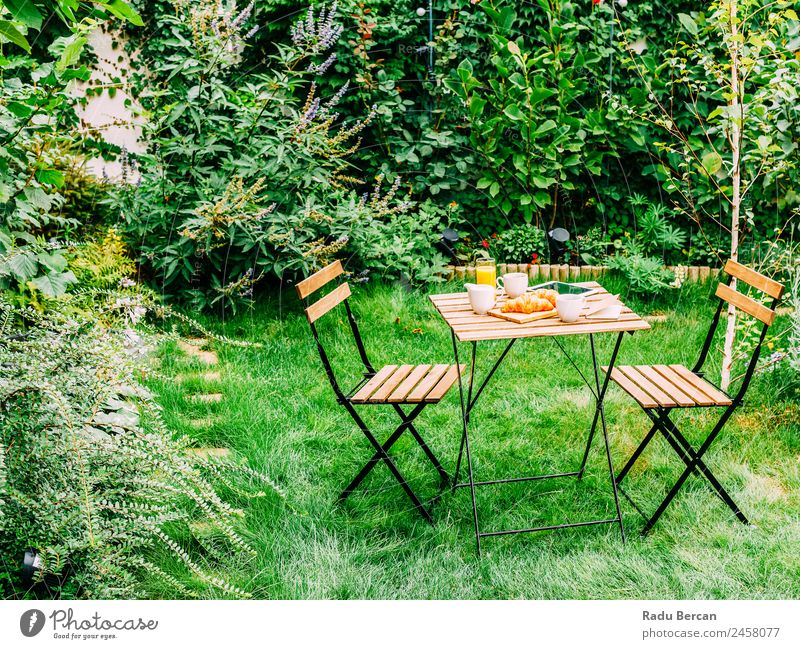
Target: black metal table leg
{"type": "Point", "coordinates": [601, 393]}
{"type": "Point", "coordinates": [465, 435]}
{"type": "Point", "coordinates": [468, 403]}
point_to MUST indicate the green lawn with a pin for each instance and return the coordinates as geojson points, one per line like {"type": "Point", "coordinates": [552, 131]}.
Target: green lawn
{"type": "Point", "coordinates": [278, 411]}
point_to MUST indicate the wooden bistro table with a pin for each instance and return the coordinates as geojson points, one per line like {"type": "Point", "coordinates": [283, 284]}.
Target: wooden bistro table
{"type": "Point", "coordinates": [466, 326]}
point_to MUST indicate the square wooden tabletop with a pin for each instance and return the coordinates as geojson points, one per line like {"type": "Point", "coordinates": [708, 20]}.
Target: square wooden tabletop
{"type": "Point", "coordinates": [457, 313]}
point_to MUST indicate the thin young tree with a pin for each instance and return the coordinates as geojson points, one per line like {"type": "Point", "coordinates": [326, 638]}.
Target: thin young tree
{"type": "Point", "coordinates": [734, 70]}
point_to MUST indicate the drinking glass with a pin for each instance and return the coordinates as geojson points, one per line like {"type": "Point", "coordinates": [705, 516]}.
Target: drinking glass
{"type": "Point", "coordinates": [486, 272]}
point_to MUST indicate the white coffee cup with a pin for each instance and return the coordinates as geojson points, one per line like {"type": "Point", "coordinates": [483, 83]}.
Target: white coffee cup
{"type": "Point", "coordinates": [514, 284]}
{"type": "Point", "coordinates": [570, 307]}
{"type": "Point", "coordinates": [481, 297]}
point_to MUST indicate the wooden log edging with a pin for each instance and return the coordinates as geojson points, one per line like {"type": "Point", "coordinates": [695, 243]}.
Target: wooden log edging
{"type": "Point", "coordinates": [565, 273]}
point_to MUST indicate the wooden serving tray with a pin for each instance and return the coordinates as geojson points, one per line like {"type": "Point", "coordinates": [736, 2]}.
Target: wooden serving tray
{"type": "Point", "coordinates": [522, 318]}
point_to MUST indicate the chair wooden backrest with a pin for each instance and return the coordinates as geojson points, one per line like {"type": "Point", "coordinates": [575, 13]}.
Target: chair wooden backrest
{"type": "Point", "coordinates": [314, 282]}
{"type": "Point", "coordinates": [758, 281]}
{"type": "Point", "coordinates": [314, 311]}
{"type": "Point", "coordinates": [766, 315]}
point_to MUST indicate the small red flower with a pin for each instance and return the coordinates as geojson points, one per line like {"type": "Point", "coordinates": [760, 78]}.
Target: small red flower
{"type": "Point", "coordinates": [485, 244]}
{"type": "Point", "coordinates": [597, 2]}
{"type": "Point", "coordinates": [494, 236]}
{"type": "Point", "coordinates": [535, 257]}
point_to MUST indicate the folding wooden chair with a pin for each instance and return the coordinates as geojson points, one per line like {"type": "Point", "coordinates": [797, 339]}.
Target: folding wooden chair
{"type": "Point", "coordinates": [394, 385]}
{"type": "Point", "coordinates": [659, 389]}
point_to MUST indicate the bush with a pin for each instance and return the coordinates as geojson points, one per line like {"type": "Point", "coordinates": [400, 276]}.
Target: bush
{"type": "Point", "coordinates": [227, 201]}
{"type": "Point", "coordinates": [90, 477]}
{"type": "Point", "coordinates": [524, 243]}
{"type": "Point", "coordinates": [645, 275]}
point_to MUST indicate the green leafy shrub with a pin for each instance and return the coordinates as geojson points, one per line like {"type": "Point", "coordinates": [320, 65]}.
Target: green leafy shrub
{"type": "Point", "coordinates": [93, 481]}
{"type": "Point", "coordinates": [794, 330]}
{"type": "Point", "coordinates": [227, 201]}
{"type": "Point", "coordinates": [404, 246]}
{"type": "Point", "coordinates": [592, 247]}
{"type": "Point", "coordinates": [523, 243]}
{"type": "Point", "coordinates": [33, 272]}
{"type": "Point", "coordinates": [534, 140]}
{"type": "Point", "coordinates": [103, 262]}
{"type": "Point", "coordinates": [43, 190]}
{"type": "Point", "coordinates": [645, 275]}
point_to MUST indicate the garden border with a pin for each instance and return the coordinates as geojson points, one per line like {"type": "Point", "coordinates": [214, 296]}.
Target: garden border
{"type": "Point", "coordinates": [567, 273]}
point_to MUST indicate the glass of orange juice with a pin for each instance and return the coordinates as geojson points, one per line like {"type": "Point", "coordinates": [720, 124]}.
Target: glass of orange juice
{"type": "Point", "coordinates": [486, 271]}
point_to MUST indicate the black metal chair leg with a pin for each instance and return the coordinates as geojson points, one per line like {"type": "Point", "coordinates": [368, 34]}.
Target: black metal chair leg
{"type": "Point", "coordinates": [407, 423]}
{"type": "Point", "coordinates": [382, 455]}
{"type": "Point", "coordinates": [370, 465]}
{"type": "Point", "coordinates": [409, 420]}
{"type": "Point", "coordinates": [684, 449]}
{"type": "Point", "coordinates": [428, 452]}
{"type": "Point", "coordinates": [665, 503]}
{"type": "Point", "coordinates": [639, 450]}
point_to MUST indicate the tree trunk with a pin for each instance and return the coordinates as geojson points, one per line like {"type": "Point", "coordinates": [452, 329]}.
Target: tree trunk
{"type": "Point", "coordinates": [737, 120]}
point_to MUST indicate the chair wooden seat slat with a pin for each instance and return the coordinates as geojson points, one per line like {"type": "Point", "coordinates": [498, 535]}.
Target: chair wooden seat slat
{"type": "Point", "coordinates": [697, 395]}
{"type": "Point", "coordinates": [388, 386]}
{"type": "Point", "coordinates": [719, 397]}
{"type": "Point", "coordinates": [408, 384]}
{"type": "Point", "coordinates": [402, 391]}
{"type": "Point", "coordinates": [445, 383]}
{"type": "Point", "coordinates": [373, 384]}
{"type": "Point", "coordinates": [667, 386]}
{"type": "Point", "coordinates": [641, 397]}
{"type": "Point", "coordinates": [426, 385]}
{"type": "Point", "coordinates": [661, 397]}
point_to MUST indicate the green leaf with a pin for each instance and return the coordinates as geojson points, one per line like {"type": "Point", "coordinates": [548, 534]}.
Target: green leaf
{"type": "Point", "coordinates": [542, 199]}
{"type": "Point", "coordinates": [72, 52]}
{"type": "Point", "coordinates": [23, 265]}
{"type": "Point", "coordinates": [54, 284]}
{"type": "Point", "coordinates": [476, 105]}
{"type": "Point", "coordinates": [124, 11]}
{"type": "Point", "coordinates": [24, 11]}
{"type": "Point", "coordinates": [38, 198]}
{"type": "Point", "coordinates": [22, 111]}
{"type": "Point", "coordinates": [513, 113]}
{"type": "Point", "coordinates": [50, 177]}
{"type": "Point", "coordinates": [538, 95]}
{"type": "Point", "coordinates": [507, 18]}
{"type": "Point", "coordinates": [484, 182]}
{"type": "Point", "coordinates": [712, 162]}
{"type": "Point", "coordinates": [547, 125]}
{"type": "Point", "coordinates": [466, 66]}
{"type": "Point", "coordinates": [517, 79]}
{"type": "Point", "coordinates": [67, 10]}
{"type": "Point", "coordinates": [9, 31]}
{"type": "Point", "coordinates": [688, 24]}
{"type": "Point", "coordinates": [543, 183]}
{"type": "Point", "coordinates": [55, 262]}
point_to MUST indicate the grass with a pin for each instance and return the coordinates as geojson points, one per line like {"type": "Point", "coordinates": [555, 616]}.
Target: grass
{"type": "Point", "coordinates": [278, 411]}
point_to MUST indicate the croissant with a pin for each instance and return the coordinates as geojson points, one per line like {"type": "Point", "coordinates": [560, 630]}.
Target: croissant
{"type": "Point", "coordinates": [548, 294]}
{"type": "Point", "coordinates": [527, 303]}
